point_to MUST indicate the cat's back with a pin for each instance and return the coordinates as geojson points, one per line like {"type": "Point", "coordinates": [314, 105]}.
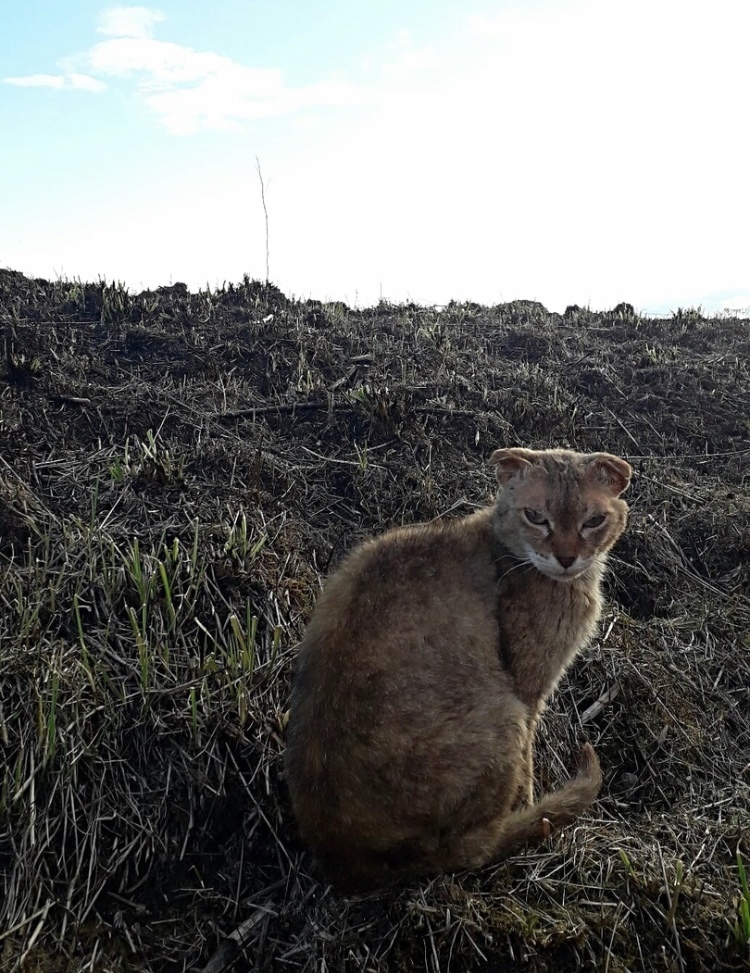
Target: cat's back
{"type": "Point", "coordinates": [398, 677]}
{"type": "Point", "coordinates": [408, 618]}
{"type": "Point", "coordinates": [397, 587]}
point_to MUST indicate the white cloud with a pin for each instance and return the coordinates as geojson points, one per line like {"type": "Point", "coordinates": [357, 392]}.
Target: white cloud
{"type": "Point", "coordinates": [162, 65]}
{"type": "Point", "coordinates": [73, 81]}
{"type": "Point", "coordinates": [37, 81]}
{"type": "Point", "coordinates": [83, 82]}
{"type": "Point", "coordinates": [187, 90]}
{"type": "Point", "coordinates": [405, 59]}
{"type": "Point", "coordinates": [191, 90]}
{"type": "Point", "coordinates": [129, 21]}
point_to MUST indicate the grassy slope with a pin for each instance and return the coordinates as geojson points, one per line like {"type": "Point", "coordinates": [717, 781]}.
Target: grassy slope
{"type": "Point", "coordinates": [177, 473]}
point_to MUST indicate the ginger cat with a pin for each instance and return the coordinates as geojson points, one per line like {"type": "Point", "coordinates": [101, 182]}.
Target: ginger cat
{"type": "Point", "coordinates": [427, 663]}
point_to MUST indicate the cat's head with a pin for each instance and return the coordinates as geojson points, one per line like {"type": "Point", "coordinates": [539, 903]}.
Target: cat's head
{"type": "Point", "coordinates": [559, 510]}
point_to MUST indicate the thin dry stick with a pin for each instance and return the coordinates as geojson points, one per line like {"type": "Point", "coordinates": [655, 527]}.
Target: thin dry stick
{"type": "Point", "coordinates": [596, 707]}
{"type": "Point", "coordinates": [265, 210]}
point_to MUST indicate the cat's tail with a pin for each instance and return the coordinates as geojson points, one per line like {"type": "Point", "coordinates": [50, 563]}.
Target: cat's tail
{"type": "Point", "coordinates": [531, 825]}
{"type": "Point", "coordinates": [528, 825]}
{"type": "Point", "coordinates": [496, 839]}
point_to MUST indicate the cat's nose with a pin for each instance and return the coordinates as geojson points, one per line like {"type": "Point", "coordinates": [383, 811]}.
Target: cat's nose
{"type": "Point", "coordinates": [565, 561]}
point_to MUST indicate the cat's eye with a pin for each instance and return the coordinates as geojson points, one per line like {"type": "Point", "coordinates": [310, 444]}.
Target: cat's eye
{"type": "Point", "coordinates": [534, 517]}
{"type": "Point", "coordinates": [596, 521]}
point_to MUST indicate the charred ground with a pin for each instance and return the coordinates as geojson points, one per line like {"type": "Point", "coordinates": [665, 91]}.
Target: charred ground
{"type": "Point", "coordinates": [179, 471]}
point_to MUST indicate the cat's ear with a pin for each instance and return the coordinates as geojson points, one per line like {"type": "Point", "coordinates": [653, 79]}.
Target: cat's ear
{"type": "Point", "coordinates": [510, 462]}
{"type": "Point", "coordinates": [612, 470]}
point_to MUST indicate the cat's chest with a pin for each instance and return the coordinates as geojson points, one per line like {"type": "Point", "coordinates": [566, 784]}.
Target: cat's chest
{"type": "Point", "coordinates": [542, 626]}
{"type": "Point", "coordinates": [548, 608]}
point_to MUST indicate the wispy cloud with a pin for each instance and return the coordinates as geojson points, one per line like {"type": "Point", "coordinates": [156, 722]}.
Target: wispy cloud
{"type": "Point", "coordinates": [72, 81]}
{"type": "Point", "coordinates": [187, 90]}
{"type": "Point", "coordinates": [129, 21]}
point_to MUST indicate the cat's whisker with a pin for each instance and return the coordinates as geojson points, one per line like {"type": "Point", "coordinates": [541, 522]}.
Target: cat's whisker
{"type": "Point", "coordinates": [521, 563]}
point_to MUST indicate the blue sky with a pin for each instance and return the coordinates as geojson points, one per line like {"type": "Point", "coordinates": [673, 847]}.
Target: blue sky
{"type": "Point", "coordinates": [568, 151]}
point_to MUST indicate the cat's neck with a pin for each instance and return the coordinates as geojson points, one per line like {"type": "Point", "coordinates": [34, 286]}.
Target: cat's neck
{"type": "Point", "coordinates": [543, 623]}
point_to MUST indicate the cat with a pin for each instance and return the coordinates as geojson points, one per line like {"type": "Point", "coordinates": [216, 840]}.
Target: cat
{"type": "Point", "coordinates": [427, 663]}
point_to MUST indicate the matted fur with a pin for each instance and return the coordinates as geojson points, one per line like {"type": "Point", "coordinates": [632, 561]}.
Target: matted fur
{"type": "Point", "coordinates": [426, 665]}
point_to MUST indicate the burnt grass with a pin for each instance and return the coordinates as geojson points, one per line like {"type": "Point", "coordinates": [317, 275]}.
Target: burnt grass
{"type": "Point", "coordinates": [178, 473]}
